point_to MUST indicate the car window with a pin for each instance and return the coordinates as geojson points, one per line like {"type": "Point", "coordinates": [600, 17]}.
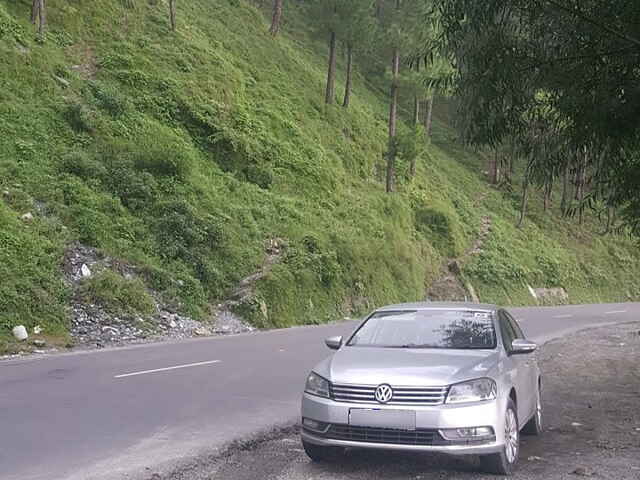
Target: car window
{"type": "Point", "coordinates": [454, 329]}
{"type": "Point", "coordinates": [515, 326]}
{"type": "Point", "coordinates": [507, 331]}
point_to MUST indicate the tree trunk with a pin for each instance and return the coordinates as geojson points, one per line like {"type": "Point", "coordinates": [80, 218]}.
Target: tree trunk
{"type": "Point", "coordinates": [525, 194]}
{"type": "Point", "coordinates": [495, 167]}
{"type": "Point", "coordinates": [379, 5]}
{"type": "Point", "coordinates": [393, 113]}
{"type": "Point", "coordinates": [416, 103]}
{"type": "Point", "coordinates": [42, 15]}
{"type": "Point", "coordinates": [172, 14]}
{"type": "Point", "coordinates": [35, 6]}
{"type": "Point", "coordinates": [583, 176]}
{"type": "Point", "coordinates": [548, 189]}
{"type": "Point", "coordinates": [565, 188]}
{"type": "Point", "coordinates": [347, 85]}
{"type": "Point", "coordinates": [330, 92]}
{"type": "Point", "coordinates": [277, 17]}
{"type": "Point", "coordinates": [610, 213]}
{"type": "Point", "coordinates": [427, 117]}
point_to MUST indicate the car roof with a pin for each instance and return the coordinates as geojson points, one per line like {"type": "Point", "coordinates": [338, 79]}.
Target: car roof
{"type": "Point", "coordinates": [476, 307]}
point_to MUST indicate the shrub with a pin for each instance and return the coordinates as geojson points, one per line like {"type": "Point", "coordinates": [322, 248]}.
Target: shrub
{"type": "Point", "coordinates": [181, 231]}
{"type": "Point", "coordinates": [81, 164]}
{"type": "Point", "coordinates": [109, 99]}
{"type": "Point", "coordinates": [117, 294]}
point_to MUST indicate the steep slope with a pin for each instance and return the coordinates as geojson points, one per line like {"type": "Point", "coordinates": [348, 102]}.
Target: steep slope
{"type": "Point", "coordinates": [188, 155]}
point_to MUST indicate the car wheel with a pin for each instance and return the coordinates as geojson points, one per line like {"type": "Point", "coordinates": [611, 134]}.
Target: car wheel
{"type": "Point", "coordinates": [320, 453]}
{"type": "Point", "coordinates": [534, 426]}
{"type": "Point", "coordinates": [503, 462]}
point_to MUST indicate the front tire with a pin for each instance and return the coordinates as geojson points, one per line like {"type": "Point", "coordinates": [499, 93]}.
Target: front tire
{"type": "Point", "coordinates": [504, 462]}
{"type": "Point", "coordinates": [320, 453]}
{"type": "Point", "coordinates": [534, 426]}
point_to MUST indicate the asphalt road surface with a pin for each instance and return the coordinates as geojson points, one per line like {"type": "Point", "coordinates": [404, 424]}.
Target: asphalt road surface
{"type": "Point", "coordinates": [110, 414]}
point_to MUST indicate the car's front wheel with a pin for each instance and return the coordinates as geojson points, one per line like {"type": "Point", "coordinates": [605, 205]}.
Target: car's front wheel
{"type": "Point", "coordinates": [320, 453]}
{"type": "Point", "coordinates": [503, 462]}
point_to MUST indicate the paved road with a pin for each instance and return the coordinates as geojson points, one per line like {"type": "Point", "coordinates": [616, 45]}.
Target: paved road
{"type": "Point", "coordinates": [111, 413]}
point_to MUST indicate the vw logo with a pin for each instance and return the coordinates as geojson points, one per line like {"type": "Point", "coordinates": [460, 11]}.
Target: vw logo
{"type": "Point", "coordinates": [383, 393]}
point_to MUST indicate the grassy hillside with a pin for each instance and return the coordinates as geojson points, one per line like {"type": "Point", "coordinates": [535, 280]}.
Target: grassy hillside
{"type": "Point", "coordinates": [184, 153]}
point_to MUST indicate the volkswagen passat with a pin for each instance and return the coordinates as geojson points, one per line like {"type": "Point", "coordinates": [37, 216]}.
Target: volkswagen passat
{"type": "Point", "coordinates": [448, 377]}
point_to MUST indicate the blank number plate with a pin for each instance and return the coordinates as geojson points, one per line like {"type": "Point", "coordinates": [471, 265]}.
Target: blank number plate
{"type": "Point", "coordinates": [371, 417]}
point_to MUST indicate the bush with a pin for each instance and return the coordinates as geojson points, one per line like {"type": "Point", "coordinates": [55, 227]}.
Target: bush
{"type": "Point", "coordinates": [181, 232]}
{"type": "Point", "coordinates": [117, 294]}
{"type": "Point", "coordinates": [109, 99]}
{"type": "Point", "coordinates": [440, 228]}
{"type": "Point", "coordinates": [82, 118]}
{"type": "Point", "coordinates": [81, 164]}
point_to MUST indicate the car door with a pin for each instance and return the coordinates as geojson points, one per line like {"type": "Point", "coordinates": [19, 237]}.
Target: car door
{"type": "Point", "coordinates": [530, 368]}
{"type": "Point", "coordinates": [518, 370]}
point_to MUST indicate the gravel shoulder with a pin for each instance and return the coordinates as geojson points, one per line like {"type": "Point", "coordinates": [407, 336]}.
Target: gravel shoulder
{"type": "Point", "coordinates": [592, 416]}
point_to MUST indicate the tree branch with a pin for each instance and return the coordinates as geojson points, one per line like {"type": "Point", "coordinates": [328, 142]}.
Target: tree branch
{"type": "Point", "coordinates": [606, 28]}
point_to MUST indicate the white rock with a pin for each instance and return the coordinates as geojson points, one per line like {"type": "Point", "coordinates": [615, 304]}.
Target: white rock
{"type": "Point", "coordinates": [173, 324]}
{"type": "Point", "coordinates": [576, 424]}
{"type": "Point", "coordinates": [85, 271]}
{"type": "Point", "coordinates": [65, 83]}
{"type": "Point", "coordinates": [27, 217]}
{"type": "Point", "coordinates": [37, 330]}
{"type": "Point", "coordinates": [20, 332]}
{"type": "Point", "coordinates": [111, 330]}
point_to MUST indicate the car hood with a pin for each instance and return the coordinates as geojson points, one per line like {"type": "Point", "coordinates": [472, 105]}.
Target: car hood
{"type": "Point", "coordinates": [406, 366]}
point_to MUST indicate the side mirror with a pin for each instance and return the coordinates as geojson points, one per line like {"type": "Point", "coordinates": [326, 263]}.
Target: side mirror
{"type": "Point", "coordinates": [520, 345]}
{"type": "Point", "coordinates": [334, 343]}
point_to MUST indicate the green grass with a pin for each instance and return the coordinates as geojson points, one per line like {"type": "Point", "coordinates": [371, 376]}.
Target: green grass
{"type": "Point", "coordinates": [117, 294]}
{"type": "Point", "coordinates": [184, 152]}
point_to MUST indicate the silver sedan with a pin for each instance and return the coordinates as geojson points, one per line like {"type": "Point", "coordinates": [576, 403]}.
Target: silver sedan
{"type": "Point", "coordinates": [457, 378]}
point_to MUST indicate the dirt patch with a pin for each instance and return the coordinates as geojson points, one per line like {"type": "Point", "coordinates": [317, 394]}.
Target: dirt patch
{"type": "Point", "coordinates": [592, 413]}
{"type": "Point", "coordinates": [87, 68]}
{"type": "Point", "coordinates": [451, 286]}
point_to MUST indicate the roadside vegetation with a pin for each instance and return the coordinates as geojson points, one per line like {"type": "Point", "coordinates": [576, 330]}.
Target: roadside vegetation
{"type": "Point", "coordinates": [184, 151]}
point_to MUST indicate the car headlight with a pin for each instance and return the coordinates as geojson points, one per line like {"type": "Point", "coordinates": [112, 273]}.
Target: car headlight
{"type": "Point", "coordinates": [472, 391]}
{"type": "Point", "coordinates": [316, 385]}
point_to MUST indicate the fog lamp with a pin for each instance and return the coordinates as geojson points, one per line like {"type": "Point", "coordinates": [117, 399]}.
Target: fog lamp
{"type": "Point", "coordinates": [469, 433]}
{"type": "Point", "coordinates": [314, 425]}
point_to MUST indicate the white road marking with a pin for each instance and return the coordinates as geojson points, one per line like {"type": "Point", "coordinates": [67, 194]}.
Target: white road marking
{"type": "Point", "coordinates": [165, 369]}
{"type": "Point", "coordinates": [568, 315]}
{"type": "Point", "coordinates": [615, 311]}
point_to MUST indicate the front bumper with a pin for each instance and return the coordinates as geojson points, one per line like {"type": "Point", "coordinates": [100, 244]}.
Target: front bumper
{"type": "Point", "coordinates": [435, 417]}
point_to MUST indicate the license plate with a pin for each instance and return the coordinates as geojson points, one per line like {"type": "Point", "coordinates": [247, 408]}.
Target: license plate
{"type": "Point", "coordinates": [373, 417]}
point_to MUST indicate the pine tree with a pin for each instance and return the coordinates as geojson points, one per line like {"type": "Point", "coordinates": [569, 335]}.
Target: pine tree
{"type": "Point", "coordinates": [276, 17]}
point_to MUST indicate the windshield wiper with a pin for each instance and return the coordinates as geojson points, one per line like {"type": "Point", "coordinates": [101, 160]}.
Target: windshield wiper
{"type": "Point", "coordinates": [415, 345]}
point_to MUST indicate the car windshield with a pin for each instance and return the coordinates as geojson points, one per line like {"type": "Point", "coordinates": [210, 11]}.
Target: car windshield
{"type": "Point", "coordinates": [452, 329]}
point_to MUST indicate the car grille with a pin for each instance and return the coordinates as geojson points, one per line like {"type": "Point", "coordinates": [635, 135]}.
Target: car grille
{"type": "Point", "coordinates": [401, 395]}
{"type": "Point", "coordinates": [384, 435]}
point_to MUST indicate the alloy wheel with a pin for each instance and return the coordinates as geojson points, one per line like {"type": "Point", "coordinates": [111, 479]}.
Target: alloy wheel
{"type": "Point", "coordinates": [511, 436]}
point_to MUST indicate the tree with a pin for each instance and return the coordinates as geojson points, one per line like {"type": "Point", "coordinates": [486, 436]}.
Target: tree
{"type": "Point", "coordinates": [276, 17]}
{"type": "Point", "coordinates": [393, 119]}
{"type": "Point", "coordinates": [395, 34]}
{"type": "Point", "coordinates": [583, 54]}
{"type": "Point", "coordinates": [172, 14]}
{"type": "Point", "coordinates": [35, 4]}
{"type": "Point", "coordinates": [39, 15]}
{"type": "Point", "coordinates": [329, 95]}
{"type": "Point", "coordinates": [347, 85]}
{"type": "Point", "coordinates": [356, 29]}
{"type": "Point", "coordinates": [347, 21]}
